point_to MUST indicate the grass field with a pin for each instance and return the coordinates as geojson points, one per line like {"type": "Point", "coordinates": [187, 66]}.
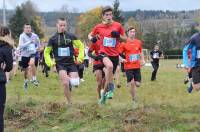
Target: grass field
{"type": "Point", "coordinates": [164, 105]}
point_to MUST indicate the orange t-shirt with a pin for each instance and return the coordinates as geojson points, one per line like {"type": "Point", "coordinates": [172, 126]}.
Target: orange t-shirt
{"type": "Point", "coordinates": [108, 45]}
{"type": "Point", "coordinates": [95, 47]}
{"type": "Point", "coordinates": [132, 50]}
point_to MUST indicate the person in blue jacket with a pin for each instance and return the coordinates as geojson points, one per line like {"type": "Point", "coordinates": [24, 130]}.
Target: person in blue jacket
{"type": "Point", "coordinates": [194, 62]}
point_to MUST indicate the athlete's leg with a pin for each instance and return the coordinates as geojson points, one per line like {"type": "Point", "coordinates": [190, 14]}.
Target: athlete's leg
{"type": "Point", "coordinates": [33, 68]}
{"type": "Point", "coordinates": [98, 74]}
{"type": "Point", "coordinates": [108, 72]}
{"type": "Point", "coordinates": [65, 82]}
{"type": "Point", "coordinates": [117, 76]}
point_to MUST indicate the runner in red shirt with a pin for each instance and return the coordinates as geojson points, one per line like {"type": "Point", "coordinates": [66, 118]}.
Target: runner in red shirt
{"type": "Point", "coordinates": [133, 60]}
{"type": "Point", "coordinates": [97, 66]}
{"type": "Point", "coordinates": [109, 33]}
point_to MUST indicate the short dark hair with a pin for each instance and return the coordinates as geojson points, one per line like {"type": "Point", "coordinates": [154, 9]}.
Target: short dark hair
{"type": "Point", "coordinates": [130, 28]}
{"type": "Point", "coordinates": [27, 24]}
{"type": "Point", "coordinates": [4, 31]}
{"type": "Point", "coordinates": [61, 19]}
{"type": "Point", "coordinates": [106, 9]}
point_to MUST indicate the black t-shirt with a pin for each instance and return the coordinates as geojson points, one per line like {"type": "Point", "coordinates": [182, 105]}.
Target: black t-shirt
{"type": "Point", "coordinates": [62, 46]}
{"type": "Point", "coordinates": [155, 55]}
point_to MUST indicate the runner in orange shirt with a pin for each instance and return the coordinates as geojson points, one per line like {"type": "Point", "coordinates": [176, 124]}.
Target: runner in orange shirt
{"type": "Point", "coordinates": [133, 60]}
{"type": "Point", "coordinates": [109, 33]}
{"type": "Point", "coordinates": [97, 67]}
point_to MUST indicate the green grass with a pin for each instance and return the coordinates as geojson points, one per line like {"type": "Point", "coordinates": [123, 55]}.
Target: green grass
{"type": "Point", "coordinates": [164, 105]}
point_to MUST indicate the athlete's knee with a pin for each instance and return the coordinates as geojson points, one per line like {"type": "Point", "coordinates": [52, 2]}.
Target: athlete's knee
{"type": "Point", "coordinates": [109, 67]}
{"type": "Point", "coordinates": [74, 81]}
{"type": "Point", "coordinates": [137, 84]}
{"type": "Point", "coordinates": [65, 83]}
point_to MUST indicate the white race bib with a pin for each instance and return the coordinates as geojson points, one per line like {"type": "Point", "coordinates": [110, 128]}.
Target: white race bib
{"type": "Point", "coordinates": [155, 55]}
{"type": "Point", "coordinates": [31, 48]}
{"type": "Point", "coordinates": [63, 52]}
{"type": "Point", "coordinates": [198, 54]}
{"type": "Point", "coordinates": [109, 42]}
{"type": "Point", "coordinates": [134, 57]}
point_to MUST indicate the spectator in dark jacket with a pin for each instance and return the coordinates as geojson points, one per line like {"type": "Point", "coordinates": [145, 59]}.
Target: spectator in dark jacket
{"type": "Point", "coordinates": [6, 64]}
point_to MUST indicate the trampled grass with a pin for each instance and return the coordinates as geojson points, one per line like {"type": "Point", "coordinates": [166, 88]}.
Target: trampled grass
{"type": "Point", "coordinates": [164, 105]}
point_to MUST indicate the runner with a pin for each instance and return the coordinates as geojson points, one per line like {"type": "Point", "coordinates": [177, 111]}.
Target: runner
{"type": "Point", "coordinates": [14, 70]}
{"type": "Point", "coordinates": [133, 60]}
{"type": "Point", "coordinates": [156, 54]}
{"type": "Point", "coordinates": [62, 44]}
{"type": "Point", "coordinates": [79, 66]}
{"type": "Point", "coordinates": [86, 58]}
{"type": "Point", "coordinates": [27, 45]}
{"type": "Point", "coordinates": [97, 67]}
{"type": "Point", "coordinates": [109, 34]}
{"type": "Point", "coordinates": [188, 78]}
{"type": "Point", "coordinates": [193, 45]}
{"type": "Point", "coordinates": [6, 64]}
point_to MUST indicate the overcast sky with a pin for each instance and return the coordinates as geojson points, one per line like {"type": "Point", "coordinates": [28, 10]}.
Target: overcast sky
{"type": "Point", "coordinates": [130, 5]}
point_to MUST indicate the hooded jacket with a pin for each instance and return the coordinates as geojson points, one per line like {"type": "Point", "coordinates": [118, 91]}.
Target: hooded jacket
{"type": "Point", "coordinates": [6, 44]}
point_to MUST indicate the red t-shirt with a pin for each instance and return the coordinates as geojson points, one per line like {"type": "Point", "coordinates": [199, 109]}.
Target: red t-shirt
{"type": "Point", "coordinates": [108, 45]}
{"type": "Point", "coordinates": [95, 47]}
{"type": "Point", "coordinates": [132, 50]}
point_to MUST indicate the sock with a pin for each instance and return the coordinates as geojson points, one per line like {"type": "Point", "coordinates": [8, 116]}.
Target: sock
{"type": "Point", "coordinates": [190, 83]}
{"type": "Point", "coordinates": [111, 87]}
{"type": "Point", "coordinates": [34, 78]}
{"type": "Point", "coordinates": [25, 80]}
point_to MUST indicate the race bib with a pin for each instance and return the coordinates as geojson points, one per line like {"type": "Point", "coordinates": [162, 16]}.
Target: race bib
{"type": "Point", "coordinates": [63, 51]}
{"type": "Point", "coordinates": [156, 55]}
{"type": "Point", "coordinates": [31, 48]}
{"type": "Point", "coordinates": [109, 42]}
{"type": "Point", "coordinates": [198, 54]}
{"type": "Point", "coordinates": [134, 57]}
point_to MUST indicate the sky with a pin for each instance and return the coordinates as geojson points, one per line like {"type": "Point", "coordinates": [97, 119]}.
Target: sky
{"type": "Point", "coordinates": [125, 5]}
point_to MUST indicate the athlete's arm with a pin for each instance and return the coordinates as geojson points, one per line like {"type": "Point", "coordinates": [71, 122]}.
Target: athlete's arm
{"type": "Point", "coordinates": [90, 36]}
{"type": "Point", "coordinates": [22, 44]}
{"type": "Point", "coordinates": [91, 55]}
{"type": "Point", "coordinates": [38, 43]}
{"type": "Point", "coordinates": [77, 43]}
{"type": "Point", "coordinates": [123, 38]}
{"type": "Point", "coordinates": [142, 59]}
{"type": "Point", "coordinates": [185, 55]}
{"type": "Point", "coordinates": [47, 56]}
{"type": "Point", "coordinates": [93, 38]}
{"type": "Point", "coordinates": [161, 56]}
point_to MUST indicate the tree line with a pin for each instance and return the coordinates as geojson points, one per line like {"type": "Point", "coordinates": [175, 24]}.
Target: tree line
{"type": "Point", "coordinates": [169, 29]}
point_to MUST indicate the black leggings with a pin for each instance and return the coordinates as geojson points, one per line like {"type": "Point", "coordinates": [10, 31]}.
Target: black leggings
{"type": "Point", "coordinates": [80, 69]}
{"type": "Point", "coordinates": [155, 66]}
{"type": "Point", "coordinates": [2, 104]}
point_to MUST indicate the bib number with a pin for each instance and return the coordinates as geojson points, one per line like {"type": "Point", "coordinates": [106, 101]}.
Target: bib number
{"type": "Point", "coordinates": [156, 55]}
{"type": "Point", "coordinates": [109, 42]}
{"type": "Point", "coordinates": [134, 57]}
{"type": "Point", "coordinates": [31, 48]}
{"type": "Point", "coordinates": [63, 52]}
{"type": "Point", "coordinates": [198, 54]}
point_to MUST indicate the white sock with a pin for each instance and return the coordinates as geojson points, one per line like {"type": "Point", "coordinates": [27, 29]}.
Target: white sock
{"type": "Point", "coordinates": [25, 80]}
{"type": "Point", "coordinates": [34, 77]}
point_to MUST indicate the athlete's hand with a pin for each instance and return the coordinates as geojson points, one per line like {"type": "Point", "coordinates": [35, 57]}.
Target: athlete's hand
{"type": "Point", "coordinates": [53, 64]}
{"type": "Point", "coordinates": [3, 66]}
{"type": "Point", "coordinates": [124, 60]}
{"type": "Point", "coordinates": [33, 40]}
{"type": "Point", "coordinates": [96, 58]}
{"type": "Point", "coordinates": [94, 39]}
{"type": "Point", "coordinates": [115, 34]}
